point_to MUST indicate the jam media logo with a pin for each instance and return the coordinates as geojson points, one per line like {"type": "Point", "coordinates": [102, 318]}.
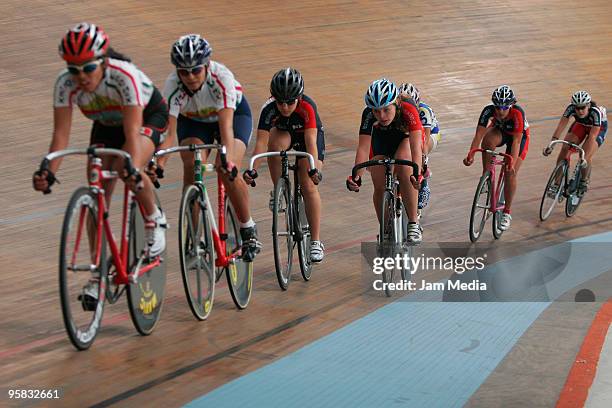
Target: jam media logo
{"type": "Point", "coordinates": [519, 271]}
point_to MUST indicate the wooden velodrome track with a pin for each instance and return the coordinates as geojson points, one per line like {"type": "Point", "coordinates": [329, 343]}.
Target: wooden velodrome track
{"type": "Point", "coordinates": [456, 52]}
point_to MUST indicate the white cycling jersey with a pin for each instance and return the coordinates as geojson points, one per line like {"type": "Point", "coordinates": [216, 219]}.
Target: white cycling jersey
{"type": "Point", "coordinates": [123, 84]}
{"type": "Point", "coordinates": [220, 90]}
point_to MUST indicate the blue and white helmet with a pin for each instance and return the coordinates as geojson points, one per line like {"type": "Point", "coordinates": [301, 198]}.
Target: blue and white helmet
{"type": "Point", "coordinates": [412, 91]}
{"type": "Point", "coordinates": [381, 93]}
{"type": "Point", "coordinates": [503, 96]}
{"type": "Point", "coordinates": [190, 51]}
{"type": "Point", "coordinates": [581, 98]}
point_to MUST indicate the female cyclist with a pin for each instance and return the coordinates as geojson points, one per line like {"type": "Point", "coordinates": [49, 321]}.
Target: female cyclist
{"type": "Point", "coordinates": [207, 104]}
{"type": "Point", "coordinates": [590, 126]}
{"type": "Point", "coordinates": [503, 123]}
{"type": "Point", "coordinates": [128, 113]}
{"type": "Point", "coordinates": [397, 132]}
{"type": "Point", "coordinates": [289, 120]}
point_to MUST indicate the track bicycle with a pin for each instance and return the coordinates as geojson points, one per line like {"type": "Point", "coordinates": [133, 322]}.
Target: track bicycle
{"type": "Point", "coordinates": [207, 251]}
{"type": "Point", "coordinates": [86, 232]}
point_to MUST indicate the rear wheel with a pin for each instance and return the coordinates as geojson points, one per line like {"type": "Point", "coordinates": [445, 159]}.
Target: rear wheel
{"type": "Point", "coordinates": [306, 237]}
{"type": "Point", "coordinates": [497, 216]}
{"type": "Point", "coordinates": [239, 272]}
{"type": "Point", "coordinates": [553, 190]}
{"type": "Point", "coordinates": [480, 206]}
{"type": "Point", "coordinates": [197, 253]}
{"type": "Point", "coordinates": [281, 232]}
{"type": "Point", "coordinates": [79, 271]}
{"type": "Point", "coordinates": [387, 238]}
{"type": "Point", "coordinates": [146, 296]}
{"type": "Point", "coordinates": [574, 199]}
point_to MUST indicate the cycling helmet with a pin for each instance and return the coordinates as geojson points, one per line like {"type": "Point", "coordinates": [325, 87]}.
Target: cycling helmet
{"type": "Point", "coordinates": [381, 93]}
{"type": "Point", "coordinates": [190, 51]}
{"type": "Point", "coordinates": [503, 96]}
{"type": "Point", "coordinates": [287, 84]}
{"type": "Point", "coordinates": [581, 98]}
{"type": "Point", "coordinates": [412, 91]}
{"type": "Point", "coordinates": [83, 43]}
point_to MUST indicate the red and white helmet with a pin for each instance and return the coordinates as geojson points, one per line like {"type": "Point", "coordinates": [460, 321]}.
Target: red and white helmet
{"type": "Point", "coordinates": [82, 43]}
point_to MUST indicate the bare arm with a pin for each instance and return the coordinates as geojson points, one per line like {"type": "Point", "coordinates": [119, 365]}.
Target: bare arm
{"type": "Point", "coordinates": [62, 123]}
{"type": "Point", "coordinates": [169, 141]}
{"type": "Point", "coordinates": [226, 128]}
{"type": "Point", "coordinates": [560, 127]}
{"type": "Point", "coordinates": [261, 145]}
{"type": "Point", "coordinates": [363, 151]}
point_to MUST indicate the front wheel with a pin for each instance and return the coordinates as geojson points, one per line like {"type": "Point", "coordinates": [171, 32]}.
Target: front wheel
{"type": "Point", "coordinates": [387, 243]}
{"type": "Point", "coordinates": [497, 215]}
{"type": "Point", "coordinates": [146, 296]}
{"type": "Point", "coordinates": [197, 253]}
{"type": "Point", "coordinates": [239, 272]}
{"type": "Point", "coordinates": [554, 190]}
{"type": "Point", "coordinates": [281, 232]}
{"type": "Point", "coordinates": [305, 237]}
{"type": "Point", "coordinates": [573, 198]}
{"type": "Point", "coordinates": [82, 269]}
{"type": "Point", "coordinates": [480, 207]}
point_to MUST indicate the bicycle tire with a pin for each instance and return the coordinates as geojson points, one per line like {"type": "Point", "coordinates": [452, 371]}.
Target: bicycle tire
{"type": "Point", "coordinates": [84, 205]}
{"type": "Point", "coordinates": [196, 252]}
{"type": "Point", "coordinates": [477, 222]}
{"type": "Point", "coordinates": [573, 198]}
{"type": "Point", "coordinates": [497, 215]}
{"type": "Point", "coordinates": [146, 296]}
{"type": "Point", "coordinates": [546, 208]}
{"type": "Point", "coordinates": [281, 232]}
{"type": "Point", "coordinates": [239, 273]}
{"type": "Point", "coordinates": [386, 238]}
{"type": "Point", "coordinates": [305, 237]}
{"type": "Point", "coordinates": [407, 248]}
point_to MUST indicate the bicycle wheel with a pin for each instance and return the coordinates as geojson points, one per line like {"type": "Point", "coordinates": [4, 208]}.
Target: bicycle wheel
{"type": "Point", "coordinates": [197, 253]}
{"type": "Point", "coordinates": [573, 198]}
{"type": "Point", "coordinates": [281, 232]}
{"type": "Point", "coordinates": [497, 215]}
{"type": "Point", "coordinates": [305, 236]}
{"type": "Point", "coordinates": [403, 221]}
{"type": "Point", "coordinates": [146, 296]}
{"type": "Point", "coordinates": [553, 190]}
{"type": "Point", "coordinates": [239, 273]}
{"type": "Point", "coordinates": [82, 316]}
{"type": "Point", "coordinates": [386, 238]}
{"type": "Point", "coordinates": [480, 206]}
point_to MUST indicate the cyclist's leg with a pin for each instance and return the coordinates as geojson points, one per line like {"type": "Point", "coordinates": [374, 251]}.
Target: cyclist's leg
{"type": "Point", "coordinates": [312, 199]}
{"type": "Point", "coordinates": [279, 140]}
{"type": "Point", "coordinates": [237, 189]}
{"type": "Point", "coordinates": [510, 181]}
{"type": "Point", "coordinates": [189, 132]}
{"type": "Point", "coordinates": [491, 140]}
{"type": "Point", "coordinates": [590, 146]}
{"type": "Point", "coordinates": [381, 147]}
{"type": "Point", "coordinates": [409, 193]}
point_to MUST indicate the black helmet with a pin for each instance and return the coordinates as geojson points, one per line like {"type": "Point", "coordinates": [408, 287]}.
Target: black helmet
{"type": "Point", "coordinates": [503, 96]}
{"type": "Point", "coordinates": [287, 84]}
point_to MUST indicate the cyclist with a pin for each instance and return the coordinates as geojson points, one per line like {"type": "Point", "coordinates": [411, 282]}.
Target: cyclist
{"type": "Point", "coordinates": [128, 113]}
{"type": "Point", "coordinates": [503, 123]}
{"type": "Point", "coordinates": [433, 136]}
{"type": "Point", "coordinates": [207, 104]}
{"type": "Point", "coordinates": [590, 126]}
{"type": "Point", "coordinates": [397, 132]}
{"type": "Point", "coordinates": [289, 120]}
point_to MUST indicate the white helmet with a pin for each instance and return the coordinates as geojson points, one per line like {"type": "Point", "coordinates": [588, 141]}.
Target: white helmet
{"type": "Point", "coordinates": [412, 91]}
{"type": "Point", "coordinates": [581, 98]}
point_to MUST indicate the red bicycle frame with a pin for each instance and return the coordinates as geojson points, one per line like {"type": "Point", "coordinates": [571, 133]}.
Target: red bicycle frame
{"type": "Point", "coordinates": [220, 236]}
{"type": "Point", "coordinates": [120, 255]}
{"type": "Point", "coordinates": [506, 161]}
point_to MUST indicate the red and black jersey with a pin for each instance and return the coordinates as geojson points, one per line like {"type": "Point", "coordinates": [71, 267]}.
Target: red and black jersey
{"type": "Point", "coordinates": [305, 116]}
{"type": "Point", "coordinates": [515, 122]}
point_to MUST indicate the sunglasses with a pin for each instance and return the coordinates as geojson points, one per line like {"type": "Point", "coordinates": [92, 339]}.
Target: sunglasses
{"type": "Point", "coordinates": [583, 107]}
{"type": "Point", "coordinates": [288, 102]}
{"type": "Point", "coordinates": [193, 70]}
{"type": "Point", "coordinates": [86, 68]}
{"type": "Point", "coordinates": [503, 108]}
